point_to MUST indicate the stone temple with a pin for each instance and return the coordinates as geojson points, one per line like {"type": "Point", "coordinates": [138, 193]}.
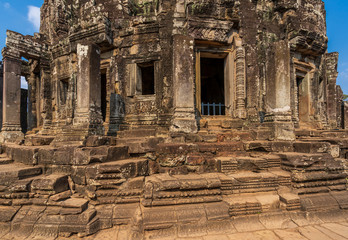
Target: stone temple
{"type": "Point", "coordinates": [171, 118]}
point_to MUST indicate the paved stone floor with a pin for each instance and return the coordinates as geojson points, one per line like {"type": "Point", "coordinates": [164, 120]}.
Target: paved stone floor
{"type": "Point", "coordinates": [311, 226]}
{"type": "Point", "coordinates": [325, 231]}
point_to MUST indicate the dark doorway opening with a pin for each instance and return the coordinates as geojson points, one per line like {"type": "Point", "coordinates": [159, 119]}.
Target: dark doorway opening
{"type": "Point", "coordinates": [147, 71]}
{"type": "Point", "coordinates": [63, 91]}
{"type": "Point", "coordinates": [213, 86]}
{"type": "Point", "coordinates": [24, 110]}
{"type": "Point", "coordinates": [299, 82]}
{"type": "Point", "coordinates": [103, 95]}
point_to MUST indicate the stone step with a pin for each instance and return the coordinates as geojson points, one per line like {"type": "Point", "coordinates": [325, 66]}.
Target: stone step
{"type": "Point", "coordinates": [252, 182]}
{"type": "Point", "coordinates": [309, 161]}
{"type": "Point", "coordinates": [116, 172]}
{"type": "Point", "coordinates": [203, 147]}
{"type": "Point", "coordinates": [38, 140]}
{"type": "Point", "coordinates": [67, 217]}
{"type": "Point", "coordinates": [289, 201]}
{"type": "Point", "coordinates": [140, 145]}
{"type": "Point", "coordinates": [318, 181]}
{"type": "Point", "coordinates": [17, 171]}
{"type": "Point", "coordinates": [165, 189]}
{"type": "Point", "coordinates": [232, 163]}
{"type": "Point", "coordinates": [287, 146]}
{"type": "Point", "coordinates": [50, 184]}
{"type": "Point", "coordinates": [136, 133]}
{"type": "Point", "coordinates": [88, 155]}
{"type": "Point", "coordinates": [323, 201]}
{"type": "Point", "coordinates": [246, 204]}
{"type": "Point", "coordinates": [4, 159]}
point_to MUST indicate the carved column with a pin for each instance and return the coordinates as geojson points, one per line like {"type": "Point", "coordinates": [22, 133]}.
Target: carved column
{"type": "Point", "coordinates": [278, 109]}
{"type": "Point", "coordinates": [32, 119]}
{"type": "Point", "coordinates": [240, 83]}
{"type": "Point", "coordinates": [184, 119]}
{"type": "Point", "coordinates": [11, 129]}
{"type": "Point", "coordinates": [45, 96]}
{"type": "Point", "coordinates": [88, 105]}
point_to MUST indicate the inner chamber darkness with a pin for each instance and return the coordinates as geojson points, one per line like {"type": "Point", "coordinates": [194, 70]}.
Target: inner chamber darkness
{"type": "Point", "coordinates": [213, 82]}
{"type": "Point", "coordinates": [148, 79]}
{"type": "Point", "coordinates": [103, 95]}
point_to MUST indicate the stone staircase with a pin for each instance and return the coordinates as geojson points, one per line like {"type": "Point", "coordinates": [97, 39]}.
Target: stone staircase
{"type": "Point", "coordinates": [185, 185]}
{"type": "Point", "coordinates": [139, 141]}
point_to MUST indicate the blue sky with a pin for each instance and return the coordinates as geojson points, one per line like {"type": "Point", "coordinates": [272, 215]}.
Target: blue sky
{"type": "Point", "coordinates": [22, 16]}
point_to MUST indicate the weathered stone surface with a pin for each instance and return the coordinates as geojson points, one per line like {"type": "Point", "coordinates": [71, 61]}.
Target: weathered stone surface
{"type": "Point", "coordinates": [173, 120]}
{"type": "Point", "coordinates": [53, 184]}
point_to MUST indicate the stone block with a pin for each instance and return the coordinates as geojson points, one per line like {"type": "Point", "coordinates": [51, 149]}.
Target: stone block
{"type": "Point", "coordinates": [312, 147]}
{"type": "Point", "coordinates": [45, 230]}
{"type": "Point", "coordinates": [341, 198]}
{"type": "Point", "coordinates": [84, 218]}
{"type": "Point", "coordinates": [53, 156]}
{"type": "Point", "coordinates": [220, 147]}
{"type": "Point", "coordinates": [7, 213]}
{"type": "Point", "coordinates": [79, 174]}
{"type": "Point", "coordinates": [21, 154]}
{"type": "Point", "coordinates": [217, 211]}
{"type": "Point", "coordinates": [176, 148]}
{"type": "Point", "coordinates": [194, 159]}
{"type": "Point", "coordinates": [61, 196]}
{"type": "Point", "coordinates": [190, 213]}
{"type": "Point", "coordinates": [124, 213]}
{"type": "Point", "coordinates": [96, 141]}
{"type": "Point", "coordinates": [117, 153]}
{"type": "Point", "coordinates": [73, 206]}
{"type": "Point", "coordinates": [317, 202]}
{"type": "Point", "coordinates": [52, 183]}
{"type": "Point", "coordinates": [159, 218]}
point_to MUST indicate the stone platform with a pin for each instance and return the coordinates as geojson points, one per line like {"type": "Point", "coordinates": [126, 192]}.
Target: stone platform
{"type": "Point", "coordinates": [179, 186]}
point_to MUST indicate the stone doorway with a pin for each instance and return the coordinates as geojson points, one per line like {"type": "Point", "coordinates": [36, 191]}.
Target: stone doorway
{"type": "Point", "coordinates": [24, 110]}
{"type": "Point", "coordinates": [211, 83]}
{"type": "Point", "coordinates": [212, 86]}
{"type": "Point", "coordinates": [300, 100]}
{"type": "Point", "coordinates": [304, 109]}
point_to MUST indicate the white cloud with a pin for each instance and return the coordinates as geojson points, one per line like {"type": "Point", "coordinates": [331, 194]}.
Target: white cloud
{"type": "Point", "coordinates": [34, 16]}
{"type": "Point", "coordinates": [7, 5]}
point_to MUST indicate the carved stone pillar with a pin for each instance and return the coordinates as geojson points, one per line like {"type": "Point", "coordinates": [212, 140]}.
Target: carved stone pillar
{"type": "Point", "coordinates": [240, 83]}
{"type": "Point", "coordinates": [117, 111]}
{"type": "Point", "coordinates": [11, 129]}
{"type": "Point", "coordinates": [88, 105]}
{"type": "Point", "coordinates": [45, 96]}
{"type": "Point", "coordinates": [278, 116]}
{"type": "Point", "coordinates": [32, 115]}
{"type": "Point", "coordinates": [184, 119]}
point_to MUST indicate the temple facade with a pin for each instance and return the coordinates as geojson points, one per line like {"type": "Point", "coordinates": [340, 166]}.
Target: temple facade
{"type": "Point", "coordinates": [173, 119]}
{"type": "Point", "coordinates": [180, 66]}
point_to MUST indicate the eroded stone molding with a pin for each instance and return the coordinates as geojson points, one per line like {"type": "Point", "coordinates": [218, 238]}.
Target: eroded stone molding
{"type": "Point", "coordinates": [240, 83]}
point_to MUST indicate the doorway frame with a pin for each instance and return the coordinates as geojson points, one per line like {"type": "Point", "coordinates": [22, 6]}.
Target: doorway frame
{"type": "Point", "coordinates": [305, 71]}
{"type": "Point", "coordinates": [208, 49]}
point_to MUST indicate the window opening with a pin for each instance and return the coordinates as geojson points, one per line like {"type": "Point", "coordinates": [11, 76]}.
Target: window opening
{"type": "Point", "coordinates": [147, 72]}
